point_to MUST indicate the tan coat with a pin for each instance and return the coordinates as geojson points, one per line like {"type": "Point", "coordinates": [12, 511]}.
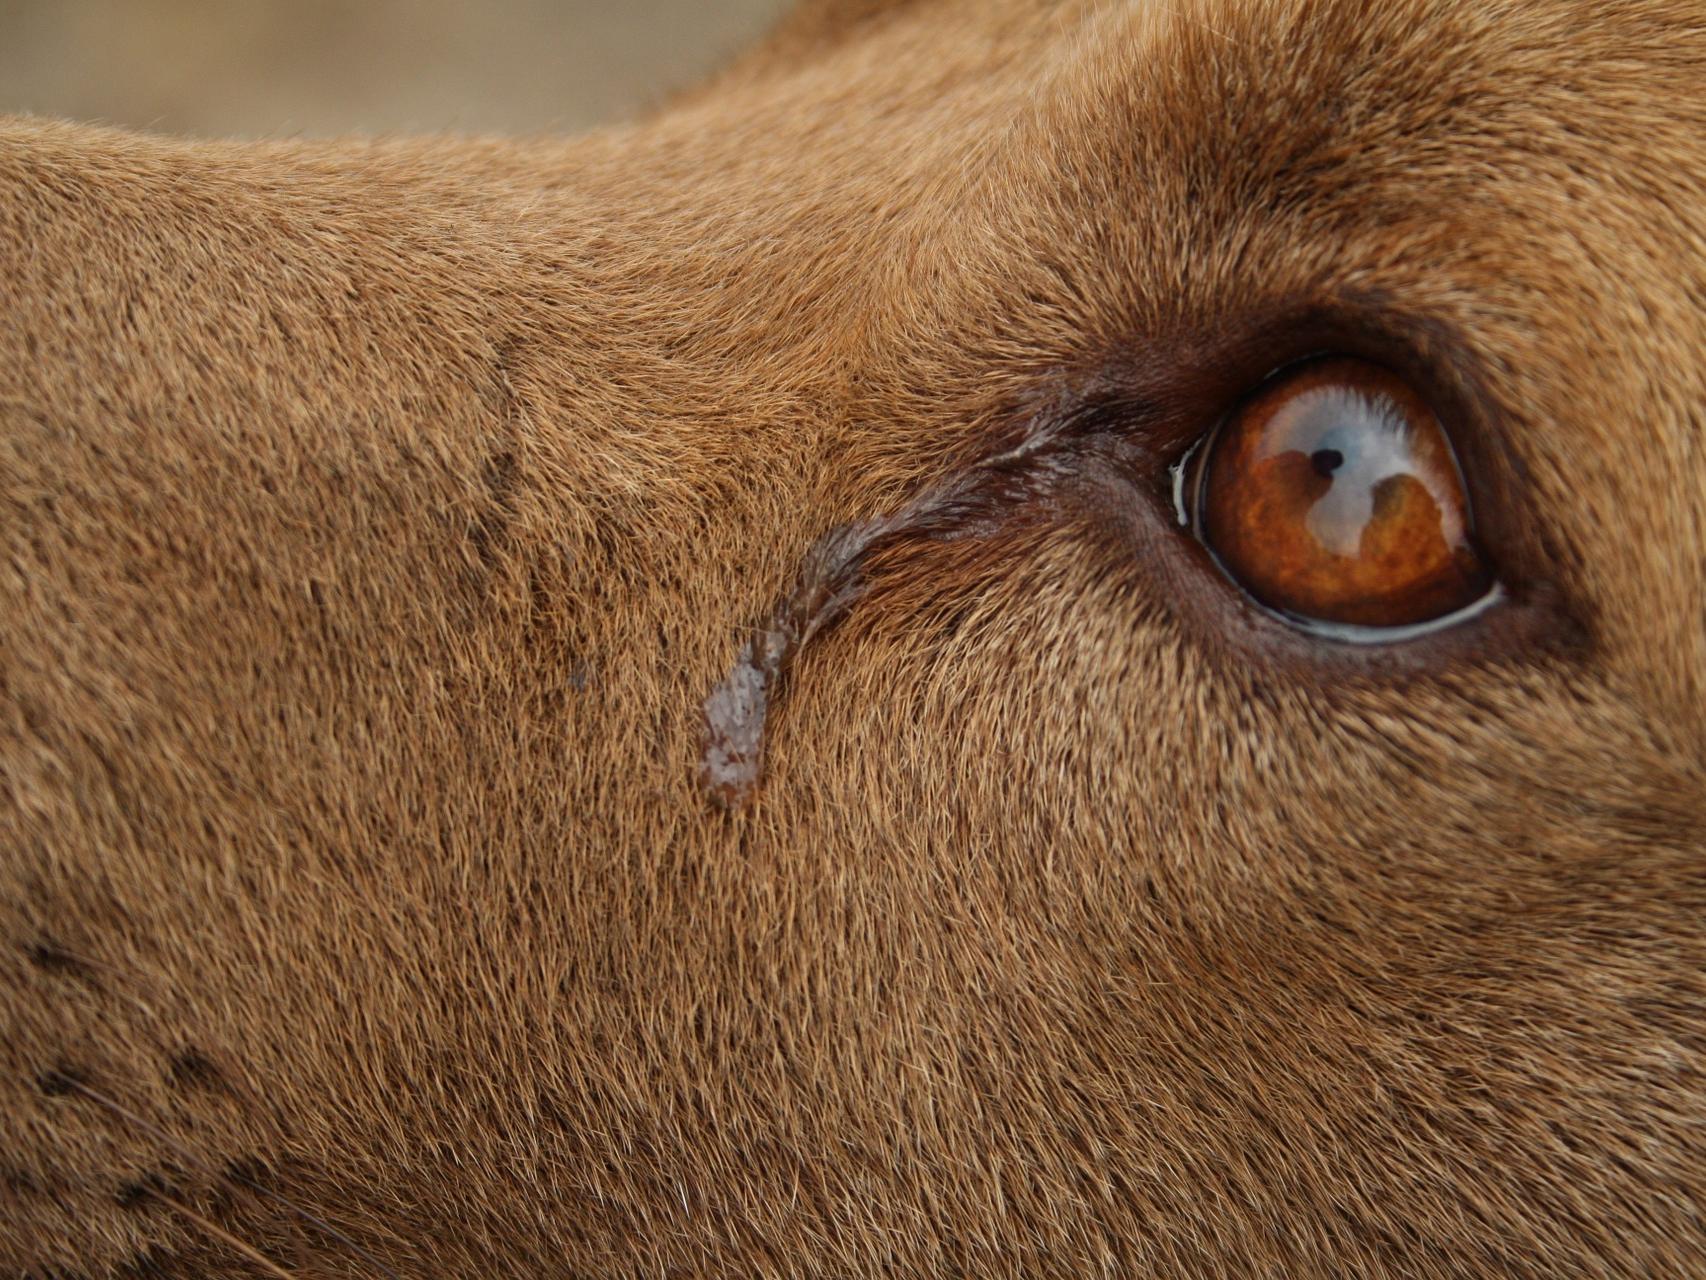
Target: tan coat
{"type": "Point", "coordinates": [376, 520]}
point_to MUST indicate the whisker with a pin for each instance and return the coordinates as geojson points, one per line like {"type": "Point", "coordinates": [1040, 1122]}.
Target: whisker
{"type": "Point", "coordinates": [219, 1233]}
{"type": "Point", "coordinates": [94, 1095]}
{"type": "Point", "coordinates": [48, 954]}
{"type": "Point", "coordinates": [1185, 15]}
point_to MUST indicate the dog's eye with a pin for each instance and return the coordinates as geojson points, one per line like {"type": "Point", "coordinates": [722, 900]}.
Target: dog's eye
{"type": "Point", "coordinates": [1332, 495]}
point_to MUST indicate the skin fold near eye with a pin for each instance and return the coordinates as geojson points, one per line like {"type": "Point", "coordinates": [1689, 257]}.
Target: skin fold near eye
{"type": "Point", "coordinates": [1333, 495]}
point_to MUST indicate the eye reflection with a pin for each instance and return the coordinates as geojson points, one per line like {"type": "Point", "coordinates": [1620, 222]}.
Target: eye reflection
{"type": "Point", "coordinates": [1333, 495]}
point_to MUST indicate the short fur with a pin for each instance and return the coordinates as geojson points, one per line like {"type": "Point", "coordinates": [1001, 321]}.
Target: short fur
{"type": "Point", "coordinates": [378, 516]}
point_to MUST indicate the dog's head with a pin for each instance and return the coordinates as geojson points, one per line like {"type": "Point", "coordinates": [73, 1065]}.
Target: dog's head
{"type": "Point", "coordinates": [1017, 639]}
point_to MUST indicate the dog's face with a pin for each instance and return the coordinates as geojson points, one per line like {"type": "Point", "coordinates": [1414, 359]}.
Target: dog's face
{"type": "Point", "coordinates": [647, 707]}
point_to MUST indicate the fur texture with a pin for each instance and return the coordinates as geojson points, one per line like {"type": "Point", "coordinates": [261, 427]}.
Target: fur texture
{"type": "Point", "coordinates": [376, 518]}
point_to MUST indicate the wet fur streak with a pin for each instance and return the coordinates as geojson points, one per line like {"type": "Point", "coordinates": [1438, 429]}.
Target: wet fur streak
{"type": "Point", "coordinates": [636, 705]}
{"type": "Point", "coordinates": [973, 502]}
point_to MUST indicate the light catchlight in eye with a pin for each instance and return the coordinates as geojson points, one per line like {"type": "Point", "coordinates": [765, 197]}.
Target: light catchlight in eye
{"type": "Point", "coordinates": [1333, 497]}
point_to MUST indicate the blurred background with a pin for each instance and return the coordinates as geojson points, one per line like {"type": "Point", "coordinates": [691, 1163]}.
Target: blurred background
{"type": "Point", "coordinates": [269, 68]}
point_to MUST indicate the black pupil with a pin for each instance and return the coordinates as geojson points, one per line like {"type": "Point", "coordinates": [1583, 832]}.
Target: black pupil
{"type": "Point", "coordinates": [1326, 461]}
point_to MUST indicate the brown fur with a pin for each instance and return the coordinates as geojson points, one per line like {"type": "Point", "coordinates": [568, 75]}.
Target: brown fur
{"type": "Point", "coordinates": [377, 518]}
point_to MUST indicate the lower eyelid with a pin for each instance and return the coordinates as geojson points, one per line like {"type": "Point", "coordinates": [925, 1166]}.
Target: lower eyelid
{"type": "Point", "coordinates": [1346, 633]}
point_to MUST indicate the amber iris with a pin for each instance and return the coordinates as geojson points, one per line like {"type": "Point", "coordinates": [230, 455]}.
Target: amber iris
{"type": "Point", "coordinates": [1333, 495]}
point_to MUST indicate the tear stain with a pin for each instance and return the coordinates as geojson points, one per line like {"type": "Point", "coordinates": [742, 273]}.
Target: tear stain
{"type": "Point", "coordinates": [972, 501]}
{"type": "Point", "coordinates": [826, 586]}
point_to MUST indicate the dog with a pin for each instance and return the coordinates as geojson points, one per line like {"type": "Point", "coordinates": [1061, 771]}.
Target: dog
{"type": "Point", "coordinates": [782, 689]}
